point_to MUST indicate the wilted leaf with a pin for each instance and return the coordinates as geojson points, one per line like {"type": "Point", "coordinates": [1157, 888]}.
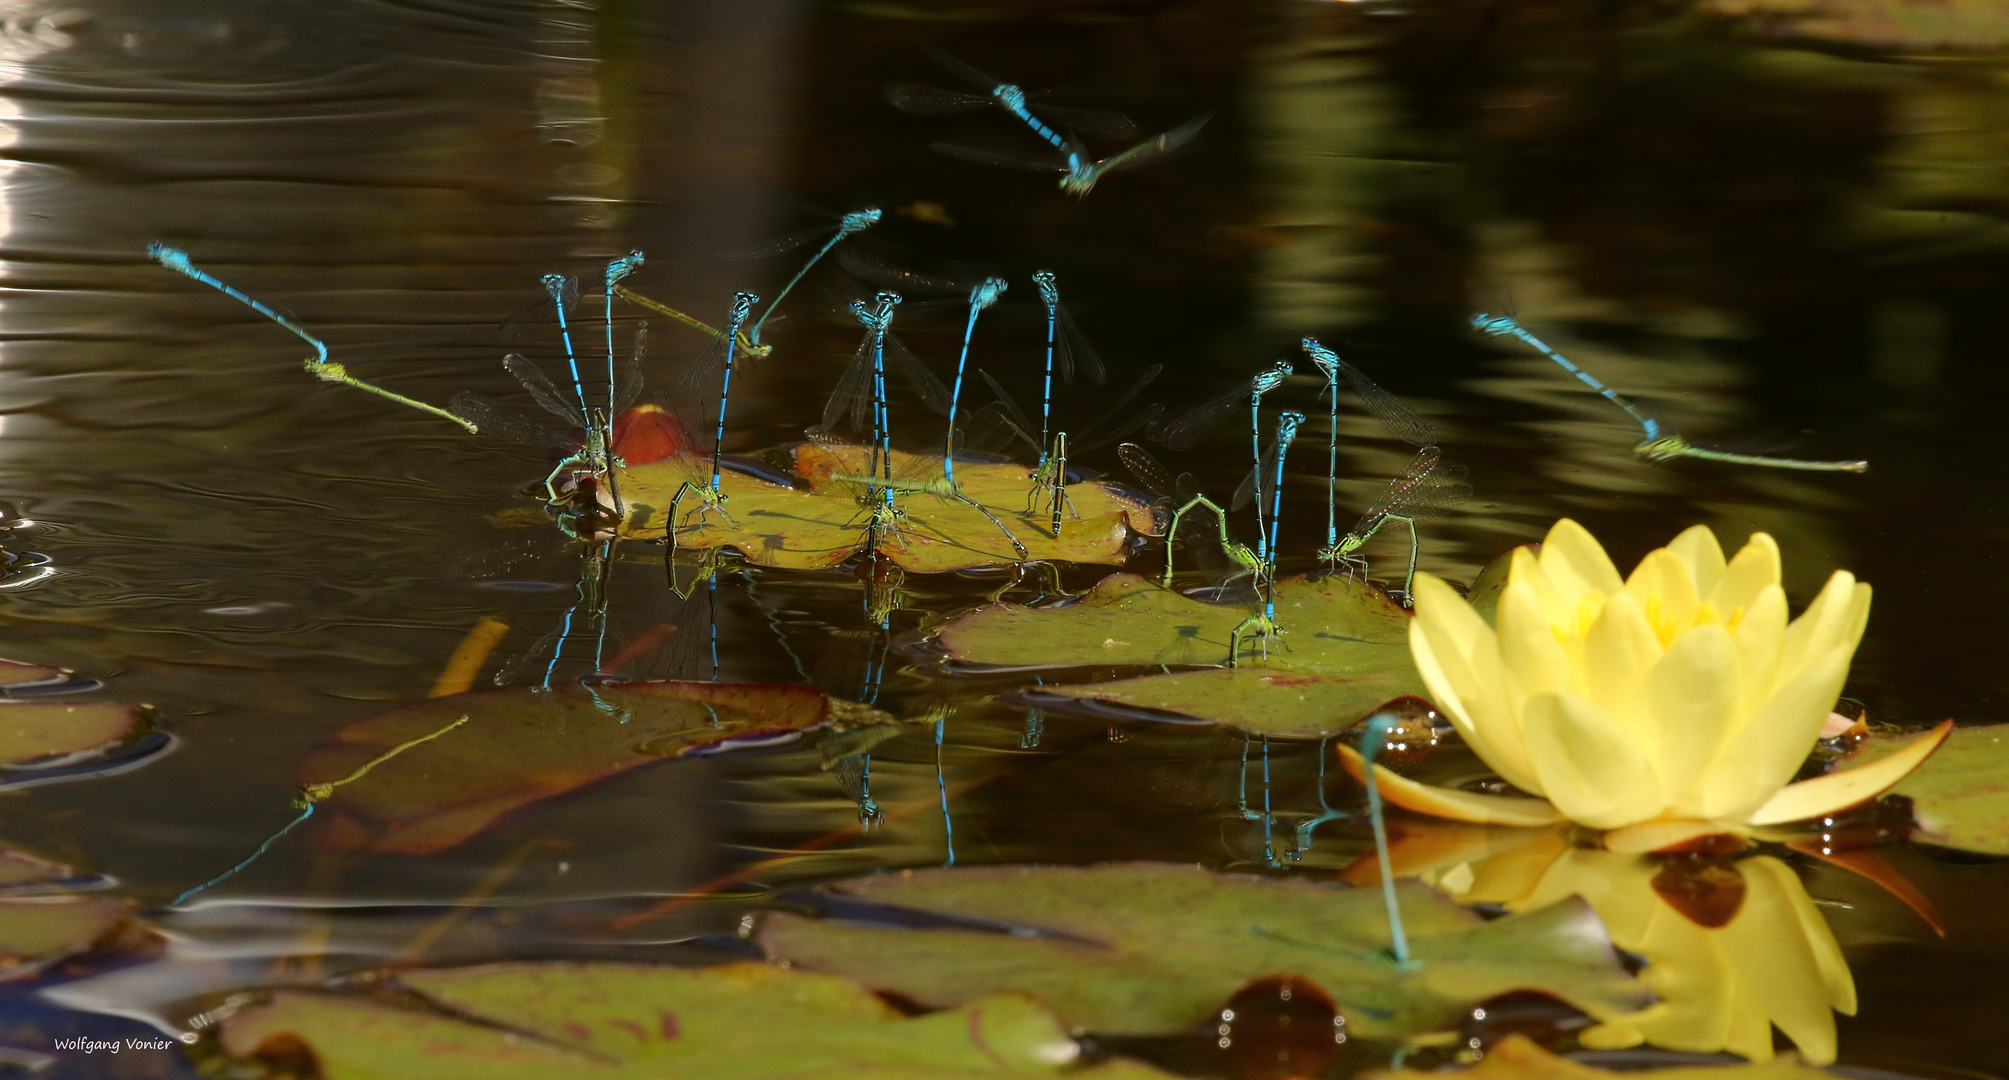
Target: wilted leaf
{"type": "Point", "coordinates": [1960, 796]}
{"type": "Point", "coordinates": [31, 732]}
{"type": "Point", "coordinates": [740, 1021]}
{"type": "Point", "coordinates": [1145, 949]}
{"type": "Point", "coordinates": [1344, 650]}
{"type": "Point", "coordinates": [822, 523]}
{"type": "Point", "coordinates": [521, 745]}
{"type": "Point", "coordinates": [1517, 1057]}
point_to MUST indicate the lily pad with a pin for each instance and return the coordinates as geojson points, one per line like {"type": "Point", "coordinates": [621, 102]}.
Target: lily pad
{"type": "Point", "coordinates": [520, 746]}
{"type": "Point", "coordinates": [40, 732]}
{"type": "Point", "coordinates": [1948, 25]}
{"type": "Point", "coordinates": [41, 925]}
{"type": "Point", "coordinates": [822, 523]}
{"type": "Point", "coordinates": [1517, 1057]}
{"type": "Point", "coordinates": [739, 1021]}
{"type": "Point", "coordinates": [16, 673]}
{"type": "Point", "coordinates": [1344, 651]}
{"type": "Point", "coordinates": [1154, 949]}
{"type": "Point", "coordinates": [1960, 796]}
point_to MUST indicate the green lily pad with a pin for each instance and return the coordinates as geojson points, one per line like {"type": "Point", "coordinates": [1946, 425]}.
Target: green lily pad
{"type": "Point", "coordinates": [1344, 651]}
{"type": "Point", "coordinates": [1960, 796]}
{"type": "Point", "coordinates": [736, 1022]}
{"type": "Point", "coordinates": [823, 523]}
{"type": "Point", "coordinates": [34, 732]}
{"type": "Point", "coordinates": [520, 746]}
{"type": "Point", "coordinates": [1518, 1057]}
{"type": "Point", "coordinates": [38, 929]}
{"type": "Point", "coordinates": [1154, 949]}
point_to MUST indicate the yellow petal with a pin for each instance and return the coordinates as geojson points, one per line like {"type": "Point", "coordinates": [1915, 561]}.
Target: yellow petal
{"type": "Point", "coordinates": [1824, 795]}
{"type": "Point", "coordinates": [1650, 836]}
{"type": "Point", "coordinates": [1773, 744]}
{"type": "Point", "coordinates": [1768, 945]}
{"type": "Point", "coordinates": [1469, 688]}
{"type": "Point", "coordinates": [1663, 577]}
{"type": "Point", "coordinates": [1508, 875]}
{"type": "Point", "coordinates": [1577, 563]}
{"type": "Point", "coordinates": [1447, 803]}
{"type": "Point", "coordinates": [1760, 634]}
{"type": "Point", "coordinates": [1698, 550]}
{"type": "Point", "coordinates": [1591, 769]}
{"type": "Point", "coordinates": [1835, 976]}
{"type": "Point", "coordinates": [1620, 649]}
{"type": "Point", "coordinates": [1690, 701]}
{"type": "Point", "coordinates": [1826, 623]}
{"type": "Point", "coordinates": [1755, 566]}
{"type": "Point", "coordinates": [1531, 658]}
{"type": "Point", "coordinates": [1526, 568]}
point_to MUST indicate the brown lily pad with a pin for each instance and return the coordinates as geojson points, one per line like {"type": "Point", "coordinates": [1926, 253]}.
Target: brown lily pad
{"type": "Point", "coordinates": [520, 746]}
{"type": "Point", "coordinates": [34, 733]}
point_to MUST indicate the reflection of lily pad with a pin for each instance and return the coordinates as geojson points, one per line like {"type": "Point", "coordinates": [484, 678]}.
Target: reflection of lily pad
{"type": "Point", "coordinates": [1960, 796]}
{"type": "Point", "coordinates": [520, 746]}
{"type": "Point", "coordinates": [1517, 1057]}
{"type": "Point", "coordinates": [40, 925]}
{"type": "Point", "coordinates": [1344, 650]}
{"type": "Point", "coordinates": [740, 1021]}
{"type": "Point", "coordinates": [821, 524]}
{"type": "Point", "coordinates": [1143, 949]}
{"type": "Point", "coordinates": [33, 733]}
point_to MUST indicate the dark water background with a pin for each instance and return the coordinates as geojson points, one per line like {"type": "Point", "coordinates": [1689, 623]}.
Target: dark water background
{"type": "Point", "coordinates": [1774, 244]}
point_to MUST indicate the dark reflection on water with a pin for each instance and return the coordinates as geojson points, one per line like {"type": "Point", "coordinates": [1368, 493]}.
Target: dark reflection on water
{"type": "Point", "coordinates": [1773, 249]}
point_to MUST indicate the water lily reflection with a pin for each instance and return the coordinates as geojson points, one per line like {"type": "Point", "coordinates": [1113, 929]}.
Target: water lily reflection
{"type": "Point", "coordinates": [1733, 947]}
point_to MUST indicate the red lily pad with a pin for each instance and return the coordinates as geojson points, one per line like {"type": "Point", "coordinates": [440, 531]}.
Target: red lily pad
{"type": "Point", "coordinates": [37, 733]}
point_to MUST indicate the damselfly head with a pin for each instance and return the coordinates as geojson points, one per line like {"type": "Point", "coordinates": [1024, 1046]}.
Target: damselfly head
{"type": "Point", "coordinates": [1326, 359]}
{"type": "Point", "coordinates": [858, 221]}
{"type": "Point", "coordinates": [622, 267]}
{"type": "Point", "coordinates": [742, 306]}
{"type": "Point", "coordinates": [1287, 426]}
{"type": "Point", "coordinates": [1497, 325]}
{"type": "Point", "coordinates": [987, 292]}
{"type": "Point", "coordinates": [1049, 292]}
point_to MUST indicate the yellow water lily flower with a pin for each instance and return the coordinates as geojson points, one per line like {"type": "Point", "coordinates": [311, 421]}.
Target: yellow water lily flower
{"type": "Point", "coordinates": [1670, 704]}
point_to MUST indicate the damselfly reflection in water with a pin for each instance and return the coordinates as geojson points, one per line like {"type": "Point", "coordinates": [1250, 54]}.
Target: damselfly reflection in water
{"type": "Point", "coordinates": [1659, 444]}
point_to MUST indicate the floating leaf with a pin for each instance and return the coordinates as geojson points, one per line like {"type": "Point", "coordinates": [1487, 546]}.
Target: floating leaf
{"type": "Point", "coordinates": [37, 930]}
{"type": "Point", "coordinates": [1152, 949]}
{"type": "Point", "coordinates": [736, 1022]}
{"type": "Point", "coordinates": [16, 673]}
{"type": "Point", "coordinates": [521, 745]}
{"type": "Point", "coordinates": [824, 522]}
{"type": "Point", "coordinates": [1960, 796]}
{"type": "Point", "coordinates": [1517, 1057]}
{"type": "Point", "coordinates": [1344, 650]}
{"type": "Point", "coordinates": [35, 733]}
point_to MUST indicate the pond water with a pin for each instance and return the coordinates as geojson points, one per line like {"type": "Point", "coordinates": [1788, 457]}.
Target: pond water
{"type": "Point", "coordinates": [1777, 239]}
